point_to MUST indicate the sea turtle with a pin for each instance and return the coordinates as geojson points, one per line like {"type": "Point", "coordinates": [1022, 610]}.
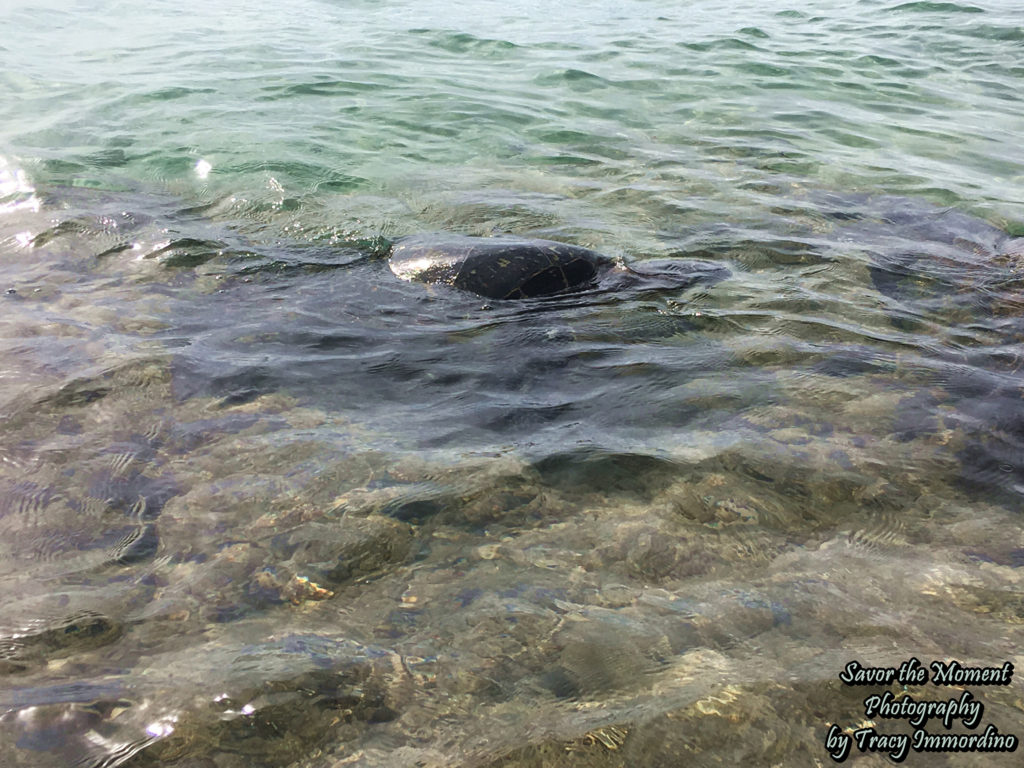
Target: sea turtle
{"type": "Point", "coordinates": [508, 267]}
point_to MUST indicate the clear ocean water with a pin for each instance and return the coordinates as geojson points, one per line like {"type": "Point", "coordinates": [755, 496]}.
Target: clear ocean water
{"type": "Point", "coordinates": [264, 504]}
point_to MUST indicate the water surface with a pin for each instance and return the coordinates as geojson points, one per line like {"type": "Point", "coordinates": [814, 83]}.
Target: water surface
{"type": "Point", "coordinates": [264, 504]}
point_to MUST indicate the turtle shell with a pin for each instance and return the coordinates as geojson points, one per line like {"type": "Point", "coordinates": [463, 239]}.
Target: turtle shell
{"type": "Point", "coordinates": [497, 267]}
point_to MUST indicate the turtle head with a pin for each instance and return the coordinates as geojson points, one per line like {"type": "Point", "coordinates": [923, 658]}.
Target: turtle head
{"type": "Point", "coordinates": [667, 275]}
{"type": "Point", "coordinates": [1014, 248]}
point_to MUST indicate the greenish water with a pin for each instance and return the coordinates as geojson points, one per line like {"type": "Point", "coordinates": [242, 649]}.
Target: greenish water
{"type": "Point", "coordinates": [264, 504]}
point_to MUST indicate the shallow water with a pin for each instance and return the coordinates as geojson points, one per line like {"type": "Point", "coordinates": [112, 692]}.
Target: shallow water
{"type": "Point", "coordinates": [264, 504]}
